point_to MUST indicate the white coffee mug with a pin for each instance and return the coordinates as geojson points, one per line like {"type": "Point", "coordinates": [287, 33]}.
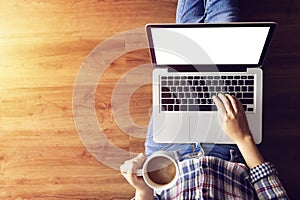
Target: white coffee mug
{"type": "Point", "coordinates": [160, 170]}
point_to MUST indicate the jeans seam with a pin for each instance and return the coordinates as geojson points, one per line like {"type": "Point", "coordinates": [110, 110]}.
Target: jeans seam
{"type": "Point", "coordinates": [181, 11]}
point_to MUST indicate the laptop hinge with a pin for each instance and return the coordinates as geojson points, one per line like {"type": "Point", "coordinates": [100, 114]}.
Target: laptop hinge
{"type": "Point", "coordinates": [207, 68]}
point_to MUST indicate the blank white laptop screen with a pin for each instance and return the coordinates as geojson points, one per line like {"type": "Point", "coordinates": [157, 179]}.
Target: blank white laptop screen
{"type": "Point", "coordinates": [209, 45]}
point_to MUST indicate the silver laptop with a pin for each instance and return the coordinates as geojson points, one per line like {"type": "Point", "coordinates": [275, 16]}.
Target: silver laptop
{"type": "Point", "coordinates": [193, 62]}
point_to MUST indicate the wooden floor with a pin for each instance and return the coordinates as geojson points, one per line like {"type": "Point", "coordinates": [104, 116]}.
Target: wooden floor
{"type": "Point", "coordinates": [43, 44]}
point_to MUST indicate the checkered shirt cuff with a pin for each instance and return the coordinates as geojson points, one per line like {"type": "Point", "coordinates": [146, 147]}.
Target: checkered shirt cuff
{"type": "Point", "coordinates": [261, 171]}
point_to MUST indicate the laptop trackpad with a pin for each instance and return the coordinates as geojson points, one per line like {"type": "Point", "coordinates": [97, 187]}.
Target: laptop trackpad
{"type": "Point", "coordinates": [206, 129]}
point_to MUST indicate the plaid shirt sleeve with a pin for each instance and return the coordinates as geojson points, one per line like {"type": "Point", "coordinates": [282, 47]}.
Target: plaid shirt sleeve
{"type": "Point", "coordinates": [266, 183]}
{"type": "Point", "coordinates": [212, 177]}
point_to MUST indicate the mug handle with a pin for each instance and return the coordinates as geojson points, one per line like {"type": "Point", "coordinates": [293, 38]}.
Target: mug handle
{"type": "Point", "coordinates": [139, 172]}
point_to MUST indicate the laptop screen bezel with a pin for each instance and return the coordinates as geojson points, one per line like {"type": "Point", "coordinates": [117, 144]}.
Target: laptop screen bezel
{"type": "Point", "coordinates": [229, 67]}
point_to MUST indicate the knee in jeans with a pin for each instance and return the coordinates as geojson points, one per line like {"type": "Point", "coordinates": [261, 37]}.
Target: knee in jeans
{"type": "Point", "coordinates": [232, 155]}
{"type": "Point", "coordinates": [236, 157]}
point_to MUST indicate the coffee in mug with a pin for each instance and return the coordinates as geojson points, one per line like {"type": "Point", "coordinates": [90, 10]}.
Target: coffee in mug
{"type": "Point", "coordinates": [160, 170]}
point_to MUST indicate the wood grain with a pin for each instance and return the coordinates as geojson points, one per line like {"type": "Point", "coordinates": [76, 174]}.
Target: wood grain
{"type": "Point", "coordinates": [44, 43]}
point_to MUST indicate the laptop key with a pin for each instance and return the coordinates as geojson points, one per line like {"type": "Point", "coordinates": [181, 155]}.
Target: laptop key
{"type": "Point", "coordinates": [190, 82]}
{"type": "Point", "coordinates": [181, 95]}
{"type": "Point", "coordinates": [170, 107]}
{"type": "Point", "coordinates": [200, 95]}
{"type": "Point", "coordinates": [182, 82]}
{"type": "Point", "coordinates": [237, 88]}
{"type": "Point", "coordinates": [230, 89]}
{"type": "Point", "coordinates": [250, 109]}
{"type": "Point", "coordinates": [238, 95]}
{"type": "Point", "coordinates": [194, 108]}
{"type": "Point", "coordinates": [167, 101]}
{"type": "Point", "coordinates": [249, 82]}
{"type": "Point", "coordinates": [228, 82]}
{"type": "Point", "coordinates": [203, 108]}
{"type": "Point", "coordinates": [183, 108]}
{"type": "Point", "coordinates": [208, 82]}
{"type": "Point", "coordinates": [198, 89]}
{"type": "Point", "coordinates": [215, 82]}
{"type": "Point", "coordinates": [211, 89]}
{"type": "Point", "coordinates": [250, 88]}
{"type": "Point", "coordinates": [209, 101]}
{"type": "Point", "coordinates": [166, 95]}
{"type": "Point", "coordinates": [165, 89]}
{"type": "Point", "coordinates": [206, 95]}
{"type": "Point", "coordinates": [164, 107]}
{"type": "Point", "coordinates": [248, 95]}
{"type": "Point", "coordinates": [224, 89]}
{"type": "Point", "coordinates": [175, 95]}
{"type": "Point", "coordinates": [246, 101]}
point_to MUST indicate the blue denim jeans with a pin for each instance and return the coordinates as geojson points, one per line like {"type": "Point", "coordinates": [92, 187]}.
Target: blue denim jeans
{"type": "Point", "coordinates": [207, 11]}
{"type": "Point", "coordinates": [200, 11]}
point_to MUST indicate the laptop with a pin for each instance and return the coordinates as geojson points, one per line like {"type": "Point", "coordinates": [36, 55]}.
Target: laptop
{"type": "Point", "coordinates": [193, 62]}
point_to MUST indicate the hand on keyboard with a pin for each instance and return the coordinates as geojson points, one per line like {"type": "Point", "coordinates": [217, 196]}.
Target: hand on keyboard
{"type": "Point", "coordinates": [232, 116]}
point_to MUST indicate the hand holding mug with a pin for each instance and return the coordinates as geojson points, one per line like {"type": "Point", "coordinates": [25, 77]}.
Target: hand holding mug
{"type": "Point", "coordinates": [128, 170]}
{"type": "Point", "coordinates": [159, 171]}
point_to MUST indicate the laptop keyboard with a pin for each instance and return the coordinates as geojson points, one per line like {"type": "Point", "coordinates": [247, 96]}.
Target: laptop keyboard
{"type": "Point", "coordinates": [194, 93]}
